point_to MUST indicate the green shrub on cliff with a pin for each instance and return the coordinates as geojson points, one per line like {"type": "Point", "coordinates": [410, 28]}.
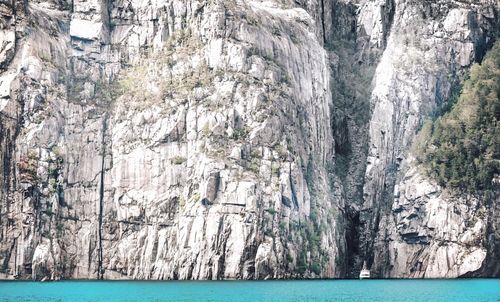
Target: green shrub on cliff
{"type": "Point", "coordinates": [462, 148]}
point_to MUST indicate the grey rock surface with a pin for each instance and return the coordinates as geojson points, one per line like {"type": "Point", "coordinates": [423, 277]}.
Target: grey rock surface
{"type": "Point", "coordinates": [236, 139]}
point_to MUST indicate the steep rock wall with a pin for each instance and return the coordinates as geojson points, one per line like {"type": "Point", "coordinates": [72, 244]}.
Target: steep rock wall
{"type": "Point", "coordinates": [429, 48]}
{"type": "Point", "coordinates": [173, 140]}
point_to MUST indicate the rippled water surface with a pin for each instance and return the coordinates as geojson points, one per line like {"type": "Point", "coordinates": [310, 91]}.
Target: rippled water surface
{"type": "Point", "coordinates": [475, 290]}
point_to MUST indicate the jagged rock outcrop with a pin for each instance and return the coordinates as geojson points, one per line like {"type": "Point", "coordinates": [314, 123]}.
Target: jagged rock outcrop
{"type": "Point", "coordinates": [230, 139]}
{"type": "Point", "coordinates": [435, 233]}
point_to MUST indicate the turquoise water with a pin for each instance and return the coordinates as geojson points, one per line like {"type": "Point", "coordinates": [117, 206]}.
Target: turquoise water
{"type": "Point", "coordinates": [475, 290]}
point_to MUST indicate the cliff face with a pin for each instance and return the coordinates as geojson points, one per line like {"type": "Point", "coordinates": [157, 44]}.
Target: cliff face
{"type": "Point", "coordinates": [412, 227]}
{"type": "Point", "coordinates": [233, 139]}
{"type": "Point", "coordinates": [170, 140]}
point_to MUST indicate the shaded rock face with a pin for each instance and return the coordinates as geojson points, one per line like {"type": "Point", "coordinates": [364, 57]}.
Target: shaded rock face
{"type": "Point", "coordinates": [430, 46]}
{"type": "Point", "coordinates": [232, 139]}
{"type": "Point", "coordinates": [434, 233]}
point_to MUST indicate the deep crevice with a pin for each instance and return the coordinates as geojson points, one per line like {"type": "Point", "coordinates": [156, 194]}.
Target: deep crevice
{"type": "Point", "coordinates": [351, 90]}
{"type": "Point", "coordinates": [100, 270]}
{"type": "Point", "coordinates": [323, 21]}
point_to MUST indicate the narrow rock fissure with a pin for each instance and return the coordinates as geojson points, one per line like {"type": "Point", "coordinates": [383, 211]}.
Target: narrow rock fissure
{"type": "Point", "coordinates": [323, 20]}
{"type": "Point", "coordinates": [100, 271]}
{"type": "Point", "coordinates": [389, 20]}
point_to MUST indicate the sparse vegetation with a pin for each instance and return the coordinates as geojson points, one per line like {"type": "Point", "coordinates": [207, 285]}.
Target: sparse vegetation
{"type": "Point", "coordinates": [254, 165]}
{"type": "Point", "coordinates": [195, 197]}
{"type": "Point", "coordinates": [27, 168]}
{"type": "Point", "coordinates": [302, 262]}
{"type": "Point", "coordinates": [256, 153]}
{"type": "Point", "coordinates": [106, 92]}
{"type": "Point", "coordinates": [60, 228]}
{"type": "Point", "coordinates": [251, 20]}
{"type": "Point", "coordinates": [52, 185]}
{"type": "Point", "coordinates": [205, 131]}
{"type": "Point", "coordinates": [281, 152]}
{"type": "Point", "coordinates": [48, 212]}
{"type": "Point", "coordinates": [271, 211]}
{"type": "Point", "coordinates": [310, 232]}
{"type": "Point", "coordinates": [240, 133]}
{"type": "Point", "coordinates": [316, 268]}
{"type": "Point", "coordinates": [178, 160]}
{"type": "Point", "coordinates": [275, 169]}
{"type": "Point", "coordinates": [148, 82]}
{"type": "Point", "coordinates": [351, 91]}
{"type": "Point", "coordinates": [182, 201]}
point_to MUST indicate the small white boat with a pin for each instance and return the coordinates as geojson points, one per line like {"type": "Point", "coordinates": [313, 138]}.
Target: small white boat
{"type": "Point", "coordinates": [365, 272]}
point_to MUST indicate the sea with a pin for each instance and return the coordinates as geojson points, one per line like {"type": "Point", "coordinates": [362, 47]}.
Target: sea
{"type": "Point", "coordinates": [475, 290]}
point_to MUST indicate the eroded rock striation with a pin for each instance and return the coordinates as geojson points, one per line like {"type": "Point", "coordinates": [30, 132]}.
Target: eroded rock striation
{"type": "Point", "coordinates": [215, 139]}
